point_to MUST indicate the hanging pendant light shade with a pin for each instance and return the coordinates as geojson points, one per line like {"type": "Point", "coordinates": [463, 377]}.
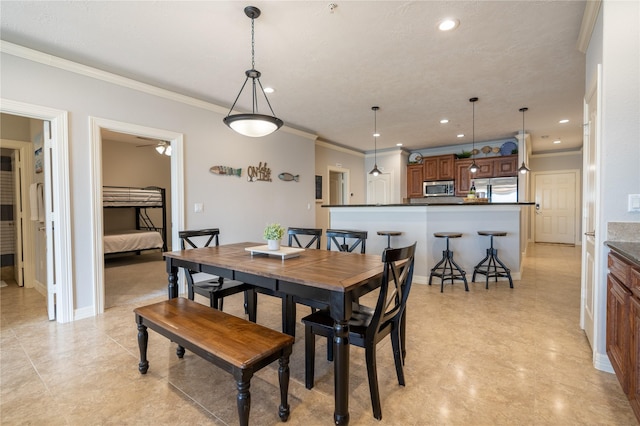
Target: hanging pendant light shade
{"type": "Point", "coordinates": [375, 171]}
{"type": "Point", "coordinates": [473, 168]}
{"type": "Point", "coordinates": [254, 124]}
{"type": "Point", "coordinates": [164, 148]}
{"type": "Point", "coordinates": [523, 168]}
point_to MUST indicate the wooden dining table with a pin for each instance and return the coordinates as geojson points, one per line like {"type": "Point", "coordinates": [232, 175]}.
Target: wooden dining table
{"type": "Point", "coordinates": [328, 277]}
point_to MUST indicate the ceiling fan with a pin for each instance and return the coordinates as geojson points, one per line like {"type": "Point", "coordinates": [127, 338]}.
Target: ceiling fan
{"type": "Point", "coordinates": [161, 146]}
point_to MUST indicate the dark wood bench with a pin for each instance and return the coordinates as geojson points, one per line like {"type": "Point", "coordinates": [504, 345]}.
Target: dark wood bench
{"type": "Point", "coordinates": [234, 344]}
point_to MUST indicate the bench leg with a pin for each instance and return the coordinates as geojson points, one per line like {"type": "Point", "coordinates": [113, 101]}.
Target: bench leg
{"type": "Point", "coordinates": [180, 352]}
{"type": "Point", "coordinates": [244, 398]}
{"type": "Point", "coordinates": [283, 378]}
{"type": "Point", "coordinates": [143, 338]}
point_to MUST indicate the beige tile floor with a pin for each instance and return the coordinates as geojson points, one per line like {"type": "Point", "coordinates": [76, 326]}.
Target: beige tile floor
{"type": "Point", "coordinates": [486, 357]}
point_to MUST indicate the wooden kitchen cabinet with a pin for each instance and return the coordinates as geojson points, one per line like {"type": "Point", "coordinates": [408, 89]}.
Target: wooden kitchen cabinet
{"type": "Point", "coordinates": [623, 325]}
{"type": "Point", "coordinates": [506, 166]}
{"type": "Point", "coordinates": [415, 177]}
{"type": "Point", "coordinates": [439, 167]}
{"type": "Point", "coordinates": [485, 168]}
{"type": "Point", "coordinates": [463, 177]}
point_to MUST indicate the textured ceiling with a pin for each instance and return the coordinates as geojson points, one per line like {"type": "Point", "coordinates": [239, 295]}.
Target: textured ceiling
{"type": "Point", "coordinates": [330, 66]}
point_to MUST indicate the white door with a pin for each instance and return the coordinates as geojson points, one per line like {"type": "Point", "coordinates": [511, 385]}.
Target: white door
{"type": "Point", "coordinates": [336, 188]}
{"type": "Point", "coordinates": [49, 221]}
{"type": "Point", "coordinates": [379, 189]}
{"type": "Point", "coordinates": [555, 208]}
{"type": "Point", "coordinates": [590, 185]}
{"type": "Point", "coordinates": [18, 217]}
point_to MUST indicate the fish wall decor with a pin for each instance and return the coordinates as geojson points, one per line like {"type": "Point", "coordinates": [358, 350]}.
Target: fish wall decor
{"type": "Point", "coordinates": [288, 177]}
{"type": "Point", "coordinates": [224, 170]}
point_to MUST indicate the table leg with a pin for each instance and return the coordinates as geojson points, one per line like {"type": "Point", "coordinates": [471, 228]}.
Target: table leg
{"type": "Point", "coordinates": [341, 372]}
{"type": "Point", "coordinates": [172, 271]}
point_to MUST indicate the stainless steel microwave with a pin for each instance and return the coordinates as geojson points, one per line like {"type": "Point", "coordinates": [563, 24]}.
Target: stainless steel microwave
{"type": "Point", "coordinates": [439, 188]}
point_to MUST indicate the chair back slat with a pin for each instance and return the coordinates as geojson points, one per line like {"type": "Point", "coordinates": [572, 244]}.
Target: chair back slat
{"type": "Point", "coordinates": [189, 237]}
{"type": "Point", "coordinates": [394, 290]}
{"type": "Point", "coordinates": [314, 233]}
{"type": "Point", "coordinates": [357, 238]}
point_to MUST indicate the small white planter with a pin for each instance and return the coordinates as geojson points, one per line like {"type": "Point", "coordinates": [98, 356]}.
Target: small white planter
{"type": "Point", "coordinates": [273, 244]}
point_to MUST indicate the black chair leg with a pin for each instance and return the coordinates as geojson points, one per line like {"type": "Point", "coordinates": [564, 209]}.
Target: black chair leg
{"type": "Point", "coordinates": [397, 356]}
{"type": "Point", "coordinates": [372, 372]}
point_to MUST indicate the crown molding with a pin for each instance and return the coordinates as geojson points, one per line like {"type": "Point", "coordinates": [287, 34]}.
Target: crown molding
{"type": "Point", "coordinates": [588, 23]}
{"type": "Point", "coordinates": [339, 148]}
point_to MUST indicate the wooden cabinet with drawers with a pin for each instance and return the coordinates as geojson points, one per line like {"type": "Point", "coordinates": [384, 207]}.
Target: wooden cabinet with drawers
{"type": "Point", "coordinates": [623, 325]}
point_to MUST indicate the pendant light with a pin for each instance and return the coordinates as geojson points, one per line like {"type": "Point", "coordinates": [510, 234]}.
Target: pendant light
{"type": "Point", "coordinates": [375, 170]}
{"type": "Point", "coordinates": [523, 169]}
{"type": "Point", "coordinates": [473, 167]}
{"type": "Point", "coordinates": [254, 124]}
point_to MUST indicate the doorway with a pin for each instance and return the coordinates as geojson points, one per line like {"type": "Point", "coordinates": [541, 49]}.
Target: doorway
{"type": "Point", "coordinates": [175, 140]}
{"type": "Point", "coordinates": [556, 206]}
{"type": "Point", "coordinates": [136, 231]}
{"type": "Point", "coordinates": [59, 277]}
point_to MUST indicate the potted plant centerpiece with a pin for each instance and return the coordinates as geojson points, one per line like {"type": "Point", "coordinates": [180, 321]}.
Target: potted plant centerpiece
{"type": "Point", "coordinates": [273, 233]}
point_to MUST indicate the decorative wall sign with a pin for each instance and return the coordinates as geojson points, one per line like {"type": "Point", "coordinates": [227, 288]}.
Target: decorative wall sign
{"type": "Point", "coordinates": [224, 170]}
{"type": "Point", "coordinates": [260, 173]}
{"type": "Point", "coordinates": [288, 177]}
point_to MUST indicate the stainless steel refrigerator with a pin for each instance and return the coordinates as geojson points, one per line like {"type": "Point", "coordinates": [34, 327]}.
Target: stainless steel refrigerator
{"type": "Point", "coordinates": [498, 190]}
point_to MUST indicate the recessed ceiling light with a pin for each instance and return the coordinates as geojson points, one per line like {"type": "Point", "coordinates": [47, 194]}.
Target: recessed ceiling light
{"type": "Point", "coordinates": [444, 121]}
{"type": "Point", "coordinates": [375, 135]}
{"type": "Point", "coordinates": [461, 135]}
{"type": "Point", "coordinates": [269, 90]}
{"type": "Point", "coordinates": [557, 141]}
{"type": "Point", "coordinates": [564, 120]}
{"type": "Point", "coordinates": [398, 144]}
{"type": "Point", "coordinates": [448, 24]}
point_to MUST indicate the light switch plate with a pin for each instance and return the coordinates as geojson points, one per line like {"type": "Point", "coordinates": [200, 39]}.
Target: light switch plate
{"type": "Point", "coordinates": [634, 203]}
{"type": "Point", "coordinates": [198, 208]}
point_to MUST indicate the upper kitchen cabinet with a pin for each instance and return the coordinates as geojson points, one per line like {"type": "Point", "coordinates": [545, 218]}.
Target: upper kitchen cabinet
{"type": "Point", "coordinates": [439, 167]}
{"type": "Point", "coordinates": [506, 166]}
{"type": "Point", "coordinates": [415, 177]}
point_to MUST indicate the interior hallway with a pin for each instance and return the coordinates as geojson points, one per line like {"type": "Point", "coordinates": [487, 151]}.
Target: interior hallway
{"type": "Point", "coordinates": [487, 357]}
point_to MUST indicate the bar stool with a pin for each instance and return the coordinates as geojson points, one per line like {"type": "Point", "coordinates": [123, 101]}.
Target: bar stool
{"type": "Point", "coordinates": [389, 234]}
{"type": "Point", "coordinates": [493, 268]}
{"type": "Point", "coordinates": [445, 268]}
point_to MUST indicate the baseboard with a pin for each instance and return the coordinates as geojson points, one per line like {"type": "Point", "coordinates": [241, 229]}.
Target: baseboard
{"type": "Point", "coordinates": [601, 362]}
{"type": "Point", "coordinates": [82, 313]}
{"type": "Point", "coordinates": [40, 287]}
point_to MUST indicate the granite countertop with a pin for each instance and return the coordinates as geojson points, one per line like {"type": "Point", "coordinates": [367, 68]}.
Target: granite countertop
{"type": "Point", "coordinates": [628, 249]}
{"type": "Point", "coordinates": [430, 204]}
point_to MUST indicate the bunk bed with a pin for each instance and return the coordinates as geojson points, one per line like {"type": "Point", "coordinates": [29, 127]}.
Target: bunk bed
{"type": "Point", "coordinates": [145, 235]}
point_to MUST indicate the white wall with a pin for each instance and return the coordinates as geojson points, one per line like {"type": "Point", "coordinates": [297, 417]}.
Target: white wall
{"type": "Point", "coordinates": [238, 207]}
{"type": "Point", "coordinates": [615, 43]}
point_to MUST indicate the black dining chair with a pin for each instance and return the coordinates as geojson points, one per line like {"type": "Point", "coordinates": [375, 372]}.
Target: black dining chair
{"type": "Point", "coordinates": [351, 239]}
{"type": "Point", "coordinates": [312, 236]}
{"type": "Point", "coordinates": [210, 286]}
{"type": "Point", "coordinates": [368, 326]}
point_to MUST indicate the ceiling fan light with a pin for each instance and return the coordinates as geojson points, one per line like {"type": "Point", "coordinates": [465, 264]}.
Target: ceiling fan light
{"type": "Point", "coordinates": [253, 125]}
{"type": "Point", "coordinates": [160, 148]}
{"type": "Point", "coordinates": [167, 151]}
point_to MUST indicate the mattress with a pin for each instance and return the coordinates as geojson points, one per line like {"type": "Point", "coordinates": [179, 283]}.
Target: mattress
{"type": "Point", "coordinates": [113, 196]}
{"type": "Point", "coordinates": [123, 241]}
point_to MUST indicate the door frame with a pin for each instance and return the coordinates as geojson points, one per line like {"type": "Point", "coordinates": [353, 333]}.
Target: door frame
{"type": "Point", "coordinates": [96, 125]}
{"type": "Point", "coordinates": [25, 249]}
{"type": "Point", "coordinates": [59, 192]}
{"type": "Point", "coordinates": [577, 240]}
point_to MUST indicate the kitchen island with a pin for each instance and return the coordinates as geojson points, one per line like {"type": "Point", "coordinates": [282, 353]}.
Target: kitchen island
{"type": "Point", "coordinates": [418, 222]}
